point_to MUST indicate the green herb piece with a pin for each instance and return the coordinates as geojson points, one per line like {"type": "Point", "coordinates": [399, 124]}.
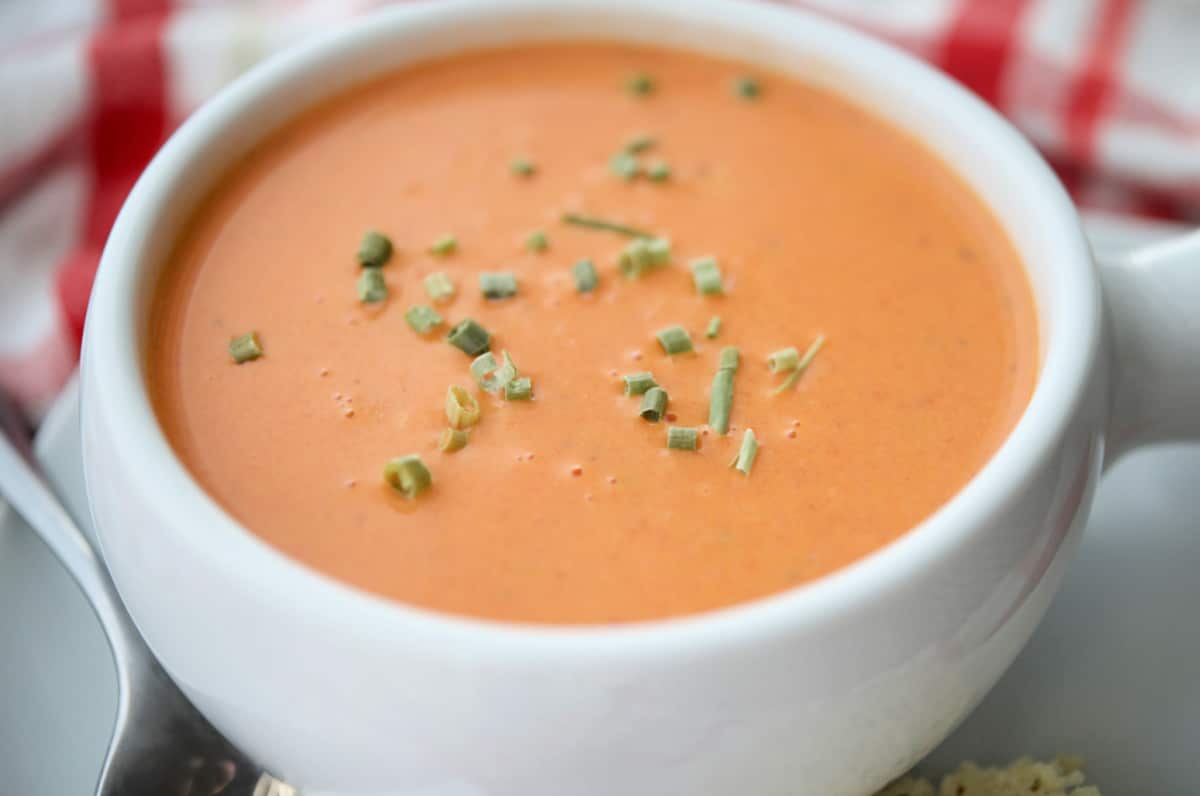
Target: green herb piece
{"type": "Point", "coordinates": [659, 171]}
{"type": "Point", "coordinates": [674, 340]}
{"type": "Point", "coordinates": [730, 358]}
{"type": "Point", "coordinates": [462, 410]}
{"type": "Point", "coordinates": [592, 222]}
{"type": "Point", "coordinates": [518, 389]}
{"type": "Point", "coordinates": [443, 246]}
{"type": "Point", "coordinates": [584, 274]}
{"type": "Point", "coordinates": [489, 374]}
{"type": "Point", "coordinates": [374, 250]}
{"type": "Point", "coordinates": [638, 383]}
{"type": "Point", "coordinates": [640, 143]}
{"type": "Point", "coordinates": [720, 399]}
{"type": "Point", "coordinates": [810, 354]}
{"type": "Point", "coordinates": [640, 85]}
{"type": "Point", "coordinates": [644, 254]}
{"type": "Point", "coordinates": [469, 337]}
{"type": "Point", "coordinates": [624, 165]}
{"type": "Point", "coordinates": [371, 286]}
{"type": "Point", "coordinates": [783, 360]}
{"type": "Point", "coordinates": [537, 241]}
{"type": "Point", "coordinates": [453, 439]}
{"type": "Point", "coordinates": [408, 475]}
{"type": "Point", "coordinates": [654, 404]}
{"type": "Point", "coordinates": [438, 287]}
{"type": "Point", "coordinates": [498, 285]}
{"type": "Point", "coordinates": [747, 88]}
{"type": "Point", "coordinates": [522, 167]}
{"type": "Point", "coordinates": [422, 318]}
{"type": "Point", "coordinates": [245, 347]}
{"type": "Point", "coordinates": [683, 439]}
{"type": "Point", "coordinates": [714, 327]}
{"type": "Point", "coordinates": [707, 276]}
{"type": "Point", "coordinates": [745, 455]}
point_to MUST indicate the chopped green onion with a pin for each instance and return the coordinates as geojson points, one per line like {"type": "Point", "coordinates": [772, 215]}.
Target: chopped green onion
{"type": "Point", "coordinates": [245, 347]}
{"type": "Point", "coordinates": [674, 340]}
{"type": "Point", "coordinates": [809, 354]}
{"type": "Point", "coordinates": [518, 389]}
{"type": "Point", "coordinates": [714, 327]}
{"type": "Point", "coordinates": [707, 276]}
{"type": "Point", "coordinates": [745, 455]}
{"type": "Point", "coordinates": [654, 404]}
{"type": "Point", "coordinates": [720, 400]}
{"type": "Point", "coordinates": [522, 166]}
{"type": "Point", "coordinates": [489, 374]}
{"type": "Point", "coordinates": [498, 285]}
{"type": "Point", "coordinates": [644, 254]}
{"type": "Point", "coordinates": [371, 286]}
{"type": "Point", "coordinates": [624, 165]}
{"type": "Point", "coordinates": [469, 337]}
{"type": "Point", "coordinates": [638, 383]}
{"type": "Point", "coordinates": [683, 439]}
{"type": "Point", "coordinates": [438, 287]}
{"type": "Point", "coordinates": [640, 84]}
{"type": "Point", "coordinates": [462, 410]}
{"type": "Point", "coordinates": [447, 244]}
{"type": "Point", "coordinates": [408, 475]}
{"type": "Point", "coordinates": [659, 171]}
{"type": "Point", "coordinates": [374, 250]}
{"type": "Point", "coordinates": [584, 274]}
{"type": "Point", "coordinates": [537, 241]}
{"type": "Point", "coordinates": [784, 359]}
{"type": "Point", "coordinates": [730, 358]}
{"type": "Point", "coordinates": [453, 439]}
{"type": "Point", "coordinates": [640, 143]}
{"type": "Point", "coordinates": [422, 318]}
{"type": "Point", "coordinates": [747, 88]}
{"type": "Point", "coordinates": [592, 222]}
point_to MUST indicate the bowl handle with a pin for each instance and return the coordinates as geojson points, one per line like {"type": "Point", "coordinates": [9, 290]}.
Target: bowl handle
{"type": "Point", "coordinates": [1153, 298]}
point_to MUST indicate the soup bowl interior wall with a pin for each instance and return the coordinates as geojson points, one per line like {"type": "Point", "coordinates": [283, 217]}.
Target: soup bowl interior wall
{"type": "Point", "coordinates": [831, 688]}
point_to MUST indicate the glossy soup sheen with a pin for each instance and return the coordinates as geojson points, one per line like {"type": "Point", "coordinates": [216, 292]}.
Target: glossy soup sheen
{"type": "Point", "coordinates": [570, 508]}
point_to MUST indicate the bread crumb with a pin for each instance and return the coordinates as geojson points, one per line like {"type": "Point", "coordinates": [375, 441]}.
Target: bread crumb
{"type": "Point", "coordinates": [1062, 776]}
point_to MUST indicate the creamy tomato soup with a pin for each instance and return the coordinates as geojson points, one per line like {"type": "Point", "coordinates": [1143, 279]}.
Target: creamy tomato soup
{"type": "Point", "coordinates": [570, 507]}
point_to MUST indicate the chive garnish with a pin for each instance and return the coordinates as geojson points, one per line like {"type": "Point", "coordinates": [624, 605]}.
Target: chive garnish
{"type": "Point", "coordinates": [638, 383]}
{"type": "Point", "coordinates": [498, 285]}
{"type": "Point", "coordinates": [522, 166]}
{"type": "Point", "coordinates": [745, 455]}
{"type": "Point", "coordinates": [447, 244]}
{"type": "Point", "coordinates": [469, 337]}
{"type": "Point", "coordinates": [408, 475]}
{"type": "Point", "coordinates": [640, 143]}
{"type": "Point", "coordinates": [654, 404]}
{"type": "Point", "coordinates": [730, 358]}
{"type": "Point", "coordinates": [747, 88]}
{"type": "Point", "coordinates": [462, 410]}
{"type": "Point", "coordinates": [537, 241]}
{"type": "Point", "coordinates": [592, 222]}
{"type": "Point", "coordinates": [624, 165]}
{"type": "Point", "coordinates": [783, 360]}
{"type": "Point", "coordinates": [806, 359]}
{"type": "Point", "coordinates": [371, 286]}
{"type": "Point", "coordinates": [659, 171]}
{"type": "Point", "coordinates": [644, 254]}
{"type": "Point", "coordinates": [640, 84]}
{"type": "Point", "coordinates": [438, 287]}
{"type": "Point", "coordinates": [245, 348]}
{"type": "Point", "coordinates": [374, 250]}
{"type": "Point", "coordinates": [422, 318]}
{"type": "Point", "coordinates": [491, 375]}
{"type": "Point", "coordinates": [453, 439]}
{"type": "Point", "coordinates": [683, 439]}
{"type": "Point", "coordinates": [706, 275]}
{"type": "Point", "coordinates": [714, 327]}
{"type": "Point", "coordinates": [518, 389]}
{"type": "Point", "coordinates": [720, 401]}
{"type": "Point", "coordinates": [674, 340]}
{"type": "Point", "coordinates": [584, 274]}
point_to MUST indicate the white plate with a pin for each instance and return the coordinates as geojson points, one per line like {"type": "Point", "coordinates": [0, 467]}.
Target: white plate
{"type": "Point", "coordinates": [1111, 674]}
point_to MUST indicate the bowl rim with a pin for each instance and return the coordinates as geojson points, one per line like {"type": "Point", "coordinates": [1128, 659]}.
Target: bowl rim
{"type": "Point", "coordinates": [111, 345]}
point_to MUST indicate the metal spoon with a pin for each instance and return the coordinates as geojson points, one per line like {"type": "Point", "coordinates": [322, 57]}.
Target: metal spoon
{"type": "Point", "coordinates": [161, 745]}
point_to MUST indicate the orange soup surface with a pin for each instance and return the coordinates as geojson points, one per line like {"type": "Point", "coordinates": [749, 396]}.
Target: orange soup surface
{"type": "Point", "coordinates": [570, 507]}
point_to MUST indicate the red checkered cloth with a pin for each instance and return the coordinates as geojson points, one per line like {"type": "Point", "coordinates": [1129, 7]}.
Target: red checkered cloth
{"type": "Point", "coordinates": [89, 89]}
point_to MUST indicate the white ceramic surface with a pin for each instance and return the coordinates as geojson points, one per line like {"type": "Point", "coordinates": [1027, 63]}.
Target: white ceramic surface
{"type": "Point", "coordinates": [831, 688]}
